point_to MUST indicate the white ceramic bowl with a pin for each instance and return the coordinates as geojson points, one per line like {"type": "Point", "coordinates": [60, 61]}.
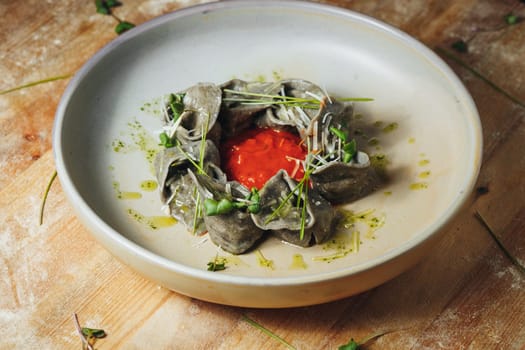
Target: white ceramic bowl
{"type": "Point", "coordinates": [106, 125]}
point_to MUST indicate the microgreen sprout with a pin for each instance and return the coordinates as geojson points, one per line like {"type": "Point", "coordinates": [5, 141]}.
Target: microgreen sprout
{"type": "Point", "coordinates": [88, 335]}
{"type": "Point", "coordinates": [349, 148]}
{"type": "Point", "coordinates": [93, 333]}
{"type": "Point", "coordinates": [200, 169]}
{"type": "Point", "coordinates": [176, 105]}
{"type": "Point", "coordinates": [266, 331]}
{"type": "Point", "coordinates": [225, 206]}
{"type": "Point", "coordinates": [34, 83]}
{"type": "Point", "coordinates": [166, 141]}
{"type": "Point", "coordinates": [105, 7]}
{"type": "Point", "coordinates": [46, 193]}
{"type": "Point", "coordinates": [301, 191]}
{"type": "Point", "coordinates": [357, 345]}
{"type": "Point", "coordinates": [253, 98]}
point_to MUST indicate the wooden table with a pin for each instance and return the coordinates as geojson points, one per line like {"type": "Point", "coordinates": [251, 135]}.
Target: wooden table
{"type": "Point", "coordinates": [465, 294]}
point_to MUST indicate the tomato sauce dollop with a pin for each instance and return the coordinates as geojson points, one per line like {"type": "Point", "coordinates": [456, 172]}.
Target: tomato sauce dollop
{"type": "Point", "coordinates": [256, 155]}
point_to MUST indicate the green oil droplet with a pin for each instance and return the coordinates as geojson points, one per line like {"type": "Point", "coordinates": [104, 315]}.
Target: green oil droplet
{"type": "Point", "coordinates": [391, 127]}
{"type": "Point", "coordinates": [162, 221]}
{"type": "Point", "coordinates": [374, 141]}
{"type": "Point", "coordinates": [423, 162]}
{"type": "Point", "coordinates": [418, 186]}
{"type": "Point", "coordinates": [153, 222]}
{"type": "Point", "coordinates": [378, 124]}
{"type": "Point", "coordinates": [129, 195]}
{"type": "Point", "coordinates": [125, 194]}
{"type": "Point", "coordinates": [118, 145]}
{"type": "Point", "coordinates": [298, 262]}
{"type": "Point", "coordinates": [148, 185]}
{"type": "Point", "coordinates": [424, 174]}
{"type": "Point", "coordinates": [263, 261]}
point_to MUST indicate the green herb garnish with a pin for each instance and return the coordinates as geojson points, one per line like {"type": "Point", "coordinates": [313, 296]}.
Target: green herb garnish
{"type": "Point", "coordinates": [225, 206]}
{"type": "Point", "coordinates": [105, 7]}
{"type": "Point", "coordinates": [123, 26]}
{"type": "Point", "coordinates": [93, 333]}
{"type": "Point", "coordinates": [213, 207]}
{"type": "Point", "coordinates": [356, 345]}
{"type": "Point", "coordinates": [264, 99]}
{"type": "Point", "coordinates": [176, 105]}
{"type": "Point", "coordinates": [349, 148]}
{"type": "Point", "coordinates": [166, 141]}
{"type": "Point", "coordinates": [301, 191]}
{"type": "Point", "coordinates": [200, 168]}
{"type": "Point", "coordinates": [218, 264]}
{"type": "Point", "coordinates": [88, 335]}
{"type": "Point", "coordinates": [351, 345]}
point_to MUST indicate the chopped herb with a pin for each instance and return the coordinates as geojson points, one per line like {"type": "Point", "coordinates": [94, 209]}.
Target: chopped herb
{"type": "Point", "coordinates": [349, 151]}
{"type": "Point", "coordinates": [176, 106]}
{"type": "Point", "coordinates": [104, 6]}
{"type": "Point", "coordinates": [353, 345]}
{"type": "Point", "coordinates": [349, 148]}
{"type": "Point", "coordinates": [166, 141]}
{"type": "Point", "coordinates": [339, 133]}
{"type": "Point", "coordinates": [123, 26]}
{"type": "Point", "coordinates": [254, 207]}
{"type": "Point", "coordinates": [218, 264]}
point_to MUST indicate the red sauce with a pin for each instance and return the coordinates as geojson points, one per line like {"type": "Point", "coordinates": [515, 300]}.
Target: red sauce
{"type": "Point", "coordinates": [256, 155]}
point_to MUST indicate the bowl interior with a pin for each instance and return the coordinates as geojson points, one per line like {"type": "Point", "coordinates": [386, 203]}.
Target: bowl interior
{"type": "Point", "coordinates": [422, 120]}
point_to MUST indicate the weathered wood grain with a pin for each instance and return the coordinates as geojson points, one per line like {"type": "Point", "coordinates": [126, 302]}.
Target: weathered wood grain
{"type": "Point", "coordinates": [465, 295]}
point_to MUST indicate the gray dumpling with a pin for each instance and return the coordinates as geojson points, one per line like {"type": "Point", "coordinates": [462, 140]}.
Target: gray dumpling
{"type": "Point", "coordinates": [235, 231]}
{"type": "Point", "coordinates": [177, 190]}
{"type": "Point", "coordinates": [235, 116]}
{"type": "Point", "coordinates": [202, 104]}
{"type": "Point", "coordinates": [340, 182]}
{"type": "Point", "coordinates": [320, 215]}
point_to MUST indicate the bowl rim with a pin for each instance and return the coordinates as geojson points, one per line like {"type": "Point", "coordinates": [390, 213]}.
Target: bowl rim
{"type": "Point", "coordinates": [81, 206]}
